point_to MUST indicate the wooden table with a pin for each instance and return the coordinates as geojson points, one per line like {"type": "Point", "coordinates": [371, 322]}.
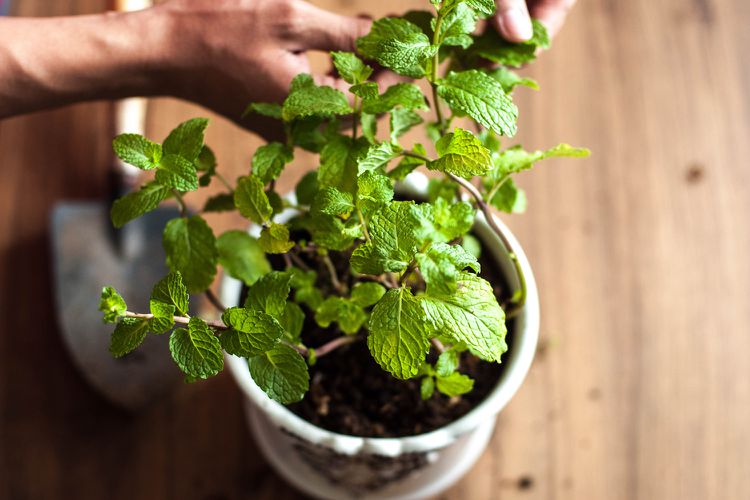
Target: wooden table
{"type": "Point", "coordinates": [641, 388]}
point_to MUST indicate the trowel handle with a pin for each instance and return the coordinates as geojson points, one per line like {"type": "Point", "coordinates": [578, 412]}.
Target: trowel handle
{"type": "Point", "coordinates": [129, 115]}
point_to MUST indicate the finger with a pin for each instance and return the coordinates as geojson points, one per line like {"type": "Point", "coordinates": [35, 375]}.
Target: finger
{"type": "Point", "coordinates": [552, 13]}
{"type": "Point", "coordinates": [512, 20]}
{"type": "Point", "coordinates": [323, 30]}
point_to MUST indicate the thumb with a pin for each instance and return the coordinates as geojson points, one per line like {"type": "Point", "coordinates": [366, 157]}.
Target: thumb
{"type": "Point", "coordinates": [324, 30]}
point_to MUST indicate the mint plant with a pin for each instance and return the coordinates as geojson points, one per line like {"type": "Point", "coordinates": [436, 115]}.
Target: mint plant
{"type": "Point", "coordinates": [412, 280]}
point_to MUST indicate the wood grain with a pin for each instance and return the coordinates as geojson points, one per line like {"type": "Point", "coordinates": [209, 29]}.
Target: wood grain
{"type": "Point", "coordinates": [641, 389]}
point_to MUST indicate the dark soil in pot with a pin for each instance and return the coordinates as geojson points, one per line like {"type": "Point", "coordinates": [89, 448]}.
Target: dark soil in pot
{"type": "Point", "coordinates": [350, 394]}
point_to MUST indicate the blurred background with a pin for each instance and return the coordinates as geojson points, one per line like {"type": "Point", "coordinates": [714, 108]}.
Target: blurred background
{"type": "Point", "coordinates": [641, 387]}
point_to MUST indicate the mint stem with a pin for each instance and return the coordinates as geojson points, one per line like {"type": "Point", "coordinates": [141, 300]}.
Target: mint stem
{"type": "Point", "coordinates": [180, 202]}
{"type": "Point", "coordinates": [211, 296]}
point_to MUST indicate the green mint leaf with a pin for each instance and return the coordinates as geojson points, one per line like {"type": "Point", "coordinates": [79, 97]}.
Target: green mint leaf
{"type": "Point", "coordinates": [404, 95]}
{"type": "Point", "coordinates": [367, 294]}
{"type": "Point", "coordinates": [441, 265]}
{"type": "Point", "coordinates": [402, 120]}
{"type": "Point", "coordinates": [515, 159]}
{"type": "Point", "coordinates": [408, 164]}
{"type": "Point", "coordinates": [281, 373]}
{"type": "Point", "coordinates": [427, 387]}
{"type": "Point", "coordinates": [306, 133]}
{"type": "Point", "coordinates": [397, 337]}
{"type": "Point", "coordinates": [331, 201]}
{"type": "Point", "coordinates": [128, 334]}
{"type": "Point", "coordinates": [439, 188]}
{"type": "Point", "coordinates": [206, 162]}
{"type": "Point", "coordinates": [349, 315]}
{"type": "Point", "coordinates": [365, 90]}
{"type": "Point", "coordinates": [307, 99]}
{"type": "Point", "coordinates": [222, 202]}
{"type": "Point", "coordinates": [374, 190]}
{"type": "Point", "coordinates": [251, 200]}
{"type": "Point", "coordinates": [397, 44]}
{"type": "Point", "coordinates": [137, 203]}
{"type": "Point", "coordinates": [456, 27]}
{"type": "Point", "coordinates": [292, 320]}
{"type": "Point", "coordinates": [510, 79]}
{"type": "Point", "coordinates": [395, 234]}
{"type": "Point", "coordinates": [186, 140]}
{"type": "Point", "coordinates": [378, 156]}
{"type": "Point", "coordinates": [252, 332]}
{"type": "Point", "coordinates": [509, 198]}
{"type": "Point", "coordinates": [196, 350]}
{"type": "Point", "coordinates": [481, 97]}
{"type": "Point", "coordinates": [163, 319]}
{"type": "Point", "coordinates": [338, 163]}
{"type": "Point", "coordinates": [271, 110]}
{"type": "Point", "coordinates": [447, 363]}
{"type": "Point", "coordinates": [241, 256]}
{"type": "Point", "coordinates": [484, 7]}
{"type": "Point", "coordinates": [451, 220]}
{"type": "Point", "coordinates": [170, 292]}
{"type": "Point", "coordinates": [270, 159]}
{"type": "Point", "coordinates": [306, 188]}
{"type": "Point", "coordinates": [112, 305]}
{"type": "Point", "coordinates": [472, 316]}
{"type": "Point", "coordinates": [269, 294]}
{"type": "Point", "coordinates": [274, 238]}
{"type": "Point", "coordinates": [190, 246]}
{"type": "Point", "coordinates": [472, 245]}
{"type": "Point", "coordinates": [369, 127]}
{"type": "Point", "coordinates": [491, 46]}
{"type": "Point", "coordinates": [178, 173]}
{"type": "Point", "coordinates": [350, 67]}
{"type": "Point", "coordinates": [138, 151]}
{"type": "Point", "coordinates": [462, 154]}
{"type": "Point", "coordinates": [304, 284]}
{"type": "Point", "coordinates": [332, 233]}
{"type": "Point", "coordinates": [455, 384]}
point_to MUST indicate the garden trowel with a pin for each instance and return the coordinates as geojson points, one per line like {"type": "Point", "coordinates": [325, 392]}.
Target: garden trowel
{"type": "Point", "coordinates": [89, 253]}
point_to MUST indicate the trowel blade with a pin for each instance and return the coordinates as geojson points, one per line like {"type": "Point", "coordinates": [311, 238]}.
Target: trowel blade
{"type": "Point", "coordinates": [85, 259]}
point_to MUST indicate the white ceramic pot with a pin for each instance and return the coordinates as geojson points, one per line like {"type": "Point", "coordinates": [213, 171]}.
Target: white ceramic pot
{"type": "Point", "coordinates": [328, 465]}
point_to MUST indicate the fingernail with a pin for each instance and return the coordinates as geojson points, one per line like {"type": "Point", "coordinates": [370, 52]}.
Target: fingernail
{"type": "Point", "coordinates": [517, 24]}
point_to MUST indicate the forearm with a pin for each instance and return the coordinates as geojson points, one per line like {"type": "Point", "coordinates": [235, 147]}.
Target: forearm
{"type": "Point", "coordinates": [49, 62]}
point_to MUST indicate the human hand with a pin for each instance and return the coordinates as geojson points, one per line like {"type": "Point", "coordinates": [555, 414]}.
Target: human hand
{"type": "Point", "coordinates": [513, 22]}
{"type": "Point", "coordinates": [225, 54]}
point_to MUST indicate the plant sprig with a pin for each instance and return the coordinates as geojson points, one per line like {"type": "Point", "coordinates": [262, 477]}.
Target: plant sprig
{"type": "Point", "coordinates": [403, 275]}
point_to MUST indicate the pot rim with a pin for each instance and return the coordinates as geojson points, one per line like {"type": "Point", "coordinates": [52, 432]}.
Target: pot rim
{"type": "Point", "coordinates": [519, 358]}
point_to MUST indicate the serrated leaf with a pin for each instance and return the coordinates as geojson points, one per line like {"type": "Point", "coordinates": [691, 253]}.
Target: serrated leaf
{"type": "Point", "coordinates": [397, 339]}
{"type": "Point", "coordinates": [241, 256]}
{"type": "Point", "coordinates": [271, 110]}
{"type": "Point", "coordinates": [269, 293]}
{"type": "Point", "coordinates": [462, 154]}
{"type": "Point", "coordinates": [455, 384]}
{"type": "Point", "coordinates": [270, 159]}
{"type": "Point", "coordinates": [331, 232]}
{"type": "Point", "coordinates": [447, 363]}
{"type": "Point", "coordinates": [395, 234]}
{"type": "Point", "coordinates": [471, 315]}
{"type": "Point", "coordinates": [369, 127]}
{"type": "Point", "coordinates": [515, 159]}
{"type": "Point", "coordinates": [456, 27]}
{"type": "Point", "coordinates": [484, 7]}
{"type": "Point", "coordinates": [367, 293]}
{"type": "Point", "coordinates": [127, 335]}
{"type": "Point", "coordinates": [186, 140]}
{"type": "Point", "coordinates": [377, 156]}
{"type": "Point", "coordinates": [349, 315]}
{"type": "Point", "coordinates": [365, 90]}
{"type": "Point", "coordinates": [178, 173]}
{"type": "Point", "coordinates": [138, 151]}
{"type": "Point", "coordinates": [440, 188]}
{"type": "Point", "coordinates": [441, 266]}
{"type": "Point", "coordinates": [451, 220]}
{"type": "Point", "coordinates": [402, 120]}
{"type": "Point", "coordinates": [251, 200]}
{"type": "Point", "coordinates": [252, 332]}
{"type": "Point", "coordinates": [307, 99]}
{"type": "Point", "coordinates": [331, 201]}
{"type": "Point", "coordinates": [397, 44]}
{"type": "Point", "coordinates": [306, 188]}
{"type": "Point", "coordinates": [373, 191]}
{"type": "Point", "coordinates": [481, 97]}
{"type": "Point", "coordinates": [222, 202]}
{"type": "Point", "coordinates": [338, 163]}
{"type": "Point", "coordinates": [510, 79]}
{"type": "Point", "coordinates": [274, 238]}
{"type": "Point", "coordinates": [111, 304]}
{"type": "Point", "coordinates": [306, 133]}
{"type": "Point", "coordinates": [137, 203]}
{"type": "Point", "coordinates": [403, 95]}
{"type": "Point", "coordinates": [427, 387]}
{"type": "Point", "coordinates": [170, 291]}
{"type": "Point", "coordinates": [491, 46]}
{"type": "Point", "coordinates": [281, 373]}
{"type": "Point", "coordinates": [292, 320]}
{"type": "Point", "coordinates": [190, 246]}
{"type": "Point", "coordinates": [196, 350]}
{"type": "Point", "coordinates": [350, 67]}
{"type": "Point", "coordinates": [509, 198]}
